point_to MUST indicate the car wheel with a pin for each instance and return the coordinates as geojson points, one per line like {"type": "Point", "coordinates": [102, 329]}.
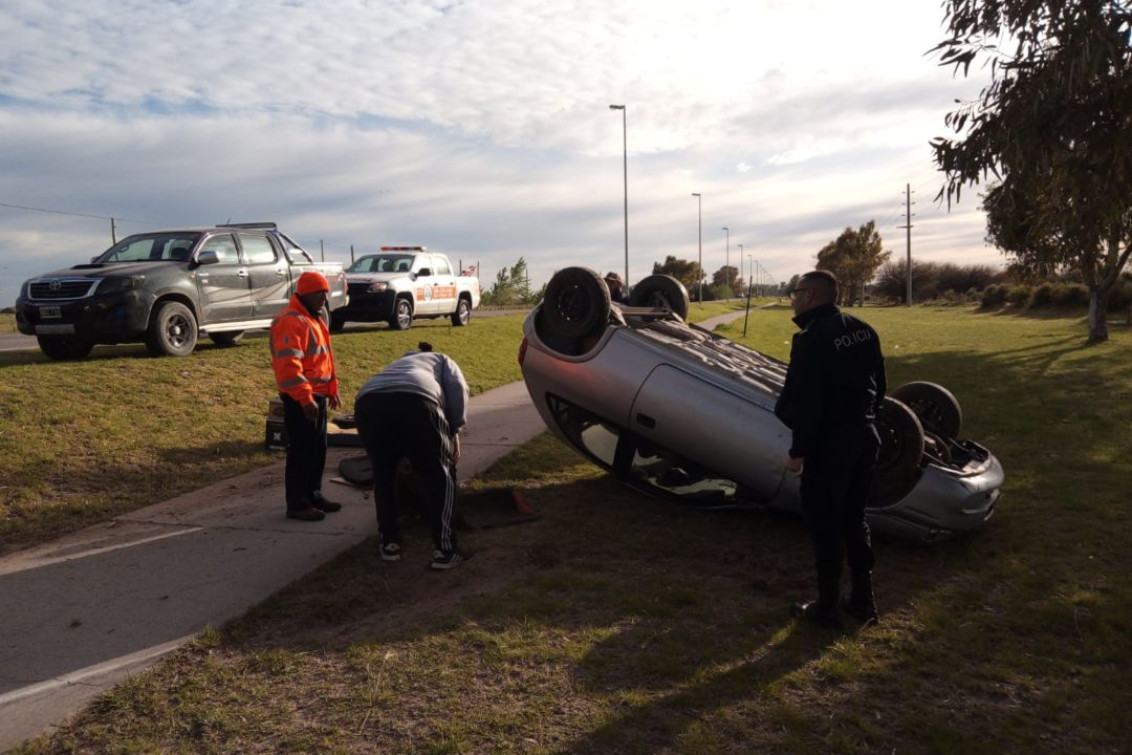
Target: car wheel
{"type": "Point", "coordinates": [64, 347]}
{"type": "Point", "coordinates": [901, 450]}
{"type": "Point", "coordinates": [337, 323]}
{"type": "Point", "coordinates": [231, 338]}
{"type": "Point", "coordinates": [172, 331]}
{"type": "Point", "coordinates": [661, 292]}
{"type": "Point", "coordinates": [462, 314]}
{"type": "Point", "coordinates": [402, 315]}
{"type": "Point", "coordinates": [576, 302]}
{"type": "Point", "coordinates": [936, 407]}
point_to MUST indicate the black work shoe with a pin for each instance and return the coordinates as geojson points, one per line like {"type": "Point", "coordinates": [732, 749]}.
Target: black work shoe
{"type": "Point", "coordinates": [866, 613]}
{"type": "Point", "coordinates": [322, 504]}
{"type": "Point", "coordinates": [815, 613]}
{"type": "Point", "coordinates": [391, 552]}
{"type": "Point", "coordinates": [309, 514]}
{"type": "Point", "coordinates": [442, 560]}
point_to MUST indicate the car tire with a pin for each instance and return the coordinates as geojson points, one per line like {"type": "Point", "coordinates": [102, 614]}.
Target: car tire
{"type": "Point", "coordinates": [936, 407]}
{"type": "Point", "coordinates": [337, 323]}
{"type": "Point", "coordinates": [230, 338]}
{"type": "Point", "coordinates": [661, 292]}
{"type": "Point", "coordinates": [172, 330]}
{"type": "Point", "coordinates": [402, 318]}
{"type": "Point", "coordinates": [463, 313]}
{"type": "Point", "coordinates": [64, 347]}
{"type": "Point", "coordinates": [898, 465]}
{"type": "Point", "coordinates": [576, 302]}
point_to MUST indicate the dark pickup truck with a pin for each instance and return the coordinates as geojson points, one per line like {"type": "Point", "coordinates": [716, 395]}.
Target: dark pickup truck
{"type": "Point", "coordinates": [167, 287]}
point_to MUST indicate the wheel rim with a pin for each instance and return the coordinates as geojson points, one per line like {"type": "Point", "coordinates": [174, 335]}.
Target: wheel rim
{"type": "Point", "coordinates": [403, 314]}
{"type": "Point", "coordinates": [573, 304]}
{"type": "Point", "coordinates": [465, 313]}
{"type": "Point", "coordinates": [176, 331]}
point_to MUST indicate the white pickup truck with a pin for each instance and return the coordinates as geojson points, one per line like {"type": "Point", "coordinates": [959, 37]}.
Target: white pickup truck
{"type": "Point", "coordinates": [404, 283]}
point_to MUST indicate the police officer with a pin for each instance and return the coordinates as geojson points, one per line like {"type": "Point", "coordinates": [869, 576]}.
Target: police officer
{"type": "Point", "coordinates": [616, 288]}
{"type": "Point", "coordinates": [415, 409]}
{"type": "Point", "coordinates": [835, 384]}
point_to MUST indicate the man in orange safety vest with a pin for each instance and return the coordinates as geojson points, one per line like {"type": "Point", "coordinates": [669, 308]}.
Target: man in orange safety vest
{"type": "Point", "coordinates": [304, 372]}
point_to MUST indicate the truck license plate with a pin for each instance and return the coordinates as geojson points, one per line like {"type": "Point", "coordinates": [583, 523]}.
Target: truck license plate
{"type": "Point", "coordinates": [50, 313]}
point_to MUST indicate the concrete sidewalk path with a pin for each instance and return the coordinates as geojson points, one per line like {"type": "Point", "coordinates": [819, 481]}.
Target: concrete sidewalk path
{"type": "Point", "coordinates": [84, 612]}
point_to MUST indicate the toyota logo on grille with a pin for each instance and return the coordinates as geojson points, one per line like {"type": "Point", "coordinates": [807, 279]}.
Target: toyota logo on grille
{"type": "Point", "coordinates": [55, 285]}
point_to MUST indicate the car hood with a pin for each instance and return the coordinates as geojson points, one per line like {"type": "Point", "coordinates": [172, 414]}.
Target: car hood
{"type": "Point", "coordinates": [108, 269]}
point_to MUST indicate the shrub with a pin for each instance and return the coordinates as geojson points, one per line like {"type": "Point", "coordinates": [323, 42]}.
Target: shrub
{"type": "Point", "coordinates": [1041, 296]}
{"type": "Point", "coordinates": [1121, 296]}
{"type": "Point", "coordinates": [994, 296]}
{"type": "Point", "coordinates": [1019, 296]}
{"type": "Point", "coordinates": [1070, 295]}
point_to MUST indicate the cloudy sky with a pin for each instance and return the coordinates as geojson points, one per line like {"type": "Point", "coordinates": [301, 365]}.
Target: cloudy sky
{"type": "Point", "coordinates": [480, 128]}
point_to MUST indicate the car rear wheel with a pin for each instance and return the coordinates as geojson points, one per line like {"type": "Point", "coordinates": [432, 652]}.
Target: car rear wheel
{"type": "Point", "coordinates": [172, 331]}
{"type": "Point", "coordinates": [462, 314]}
{"type": "Point", "coordinates": [64, 347]}
{"type": "Point", "coordinates": [402, 315]}
{"type": "Point", "coordinates": [901, 449]}
{"type": "Point", "coordinates": [337, 323]}
{"type": "Point", "coordinates": [231, 338]}
{"type": "Point", "coordinates": [936, 407]}
{"type": "Point", "coordinates": [576, 302]}
{"type": "Point", "coordinates": [661, 292]}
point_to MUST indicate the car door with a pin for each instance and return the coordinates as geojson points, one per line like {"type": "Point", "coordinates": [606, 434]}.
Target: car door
{"type": "Point", "coordinates": [423, 285]}
{"type": "Point", "coordinates": [716, 429]}
{"type": "Point", "coordinates": [224, 292]}
{"type": "Point", "coordinates": [269, 275]}
{"type": "Point", "coordinates": [443, 285]}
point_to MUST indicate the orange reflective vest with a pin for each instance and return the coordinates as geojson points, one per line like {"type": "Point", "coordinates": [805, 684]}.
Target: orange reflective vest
{"type": "Point", "coordinates": [301, 355]}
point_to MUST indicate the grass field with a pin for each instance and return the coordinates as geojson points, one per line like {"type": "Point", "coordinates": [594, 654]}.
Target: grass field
{"type": "Point", "coordinates": [83, 441]}
{"type": "Point", "coordinates": [620, 624]}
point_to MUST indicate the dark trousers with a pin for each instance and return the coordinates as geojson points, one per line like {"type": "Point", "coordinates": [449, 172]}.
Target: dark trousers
{"type": "Point", "coordinates": [395, 426]}
{"type": "Point", "coordinates": [835, 489]}
{"type": "Point", "coordinates": [306, 452]}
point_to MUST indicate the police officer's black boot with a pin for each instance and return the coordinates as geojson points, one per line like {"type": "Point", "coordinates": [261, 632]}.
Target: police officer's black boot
{"type": "Point", "coordinates": [824, 611]}
{"type": "Point", "coordinates": [861, 604]}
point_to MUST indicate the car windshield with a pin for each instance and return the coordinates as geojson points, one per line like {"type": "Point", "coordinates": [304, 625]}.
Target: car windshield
{"type": "Point", "coordinates": [382, 263]}
{"type": "Point", "coordinates": [148, 247]}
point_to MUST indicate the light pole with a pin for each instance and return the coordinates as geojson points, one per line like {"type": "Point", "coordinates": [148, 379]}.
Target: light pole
{"type": "Point", "coordinates": [727, 264]}
{"type": "Point", "coordinates": [741, 264]}
{"type": "Point", "coordinates": [700, 235]}
{"type": "Point", "coordinates": [751, 265]}
{"type": "Point", "coordinates": [625, 171]}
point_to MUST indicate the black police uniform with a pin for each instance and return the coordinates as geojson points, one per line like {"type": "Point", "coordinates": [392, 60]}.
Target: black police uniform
{"type": "Point", "coordinates": [834, 387]}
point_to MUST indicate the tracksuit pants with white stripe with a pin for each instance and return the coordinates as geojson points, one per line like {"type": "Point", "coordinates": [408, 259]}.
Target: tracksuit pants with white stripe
{"type": "Point", "coordinates": [397, 425]}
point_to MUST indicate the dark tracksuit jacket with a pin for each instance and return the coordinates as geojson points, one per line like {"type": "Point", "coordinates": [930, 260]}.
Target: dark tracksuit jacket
{"type": "Point", "coordinates": [413, 409]}
{"type": "Point", "coordinates": [835, 384]}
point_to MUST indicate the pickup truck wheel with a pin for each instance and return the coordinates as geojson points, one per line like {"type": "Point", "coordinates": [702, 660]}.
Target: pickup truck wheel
{"type": "Point", "coordinates": [897, 469]}
{"type": "Point", "coordinates": [172, 331]}
{"type": "Point", "coordinates": [230, 338]}
{"type": "Point", "coordinates": [462, 314]}
{"type": "Point", "coordinates": [337, 323]}
{"type": "Point", "coordinates": [936, 407]}
{"type": "Point", "coordinates": [64, 347]}
{"type": "Point", "coordinates": [576, 302]}
{"type": "Point", "coordinates": [402, 315]}
{"type": "Point", "coordinates": [661, 292]}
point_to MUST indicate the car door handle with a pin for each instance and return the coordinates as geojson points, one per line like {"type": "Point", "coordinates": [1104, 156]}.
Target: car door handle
{"type": "Point", "coordinates": [281, 272]}
{"type": "Point", "coordinates": [646, 421]}
{"type": "Point", "coordinates": [242, 273]}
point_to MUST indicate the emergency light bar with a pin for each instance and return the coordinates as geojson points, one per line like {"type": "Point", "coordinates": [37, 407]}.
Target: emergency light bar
{"type": "Point", "coordinates": [402, 248]}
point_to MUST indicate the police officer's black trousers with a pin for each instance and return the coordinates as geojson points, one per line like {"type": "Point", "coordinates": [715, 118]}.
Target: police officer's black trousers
{"type": "Point", "coordinates": [835, 489]}
{"type": "Point", "coordinates": [395, 426]}
{"type": "Point", "coordinates": [306, 452]}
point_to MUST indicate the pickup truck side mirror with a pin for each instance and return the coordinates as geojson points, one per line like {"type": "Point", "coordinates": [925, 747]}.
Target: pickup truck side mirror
{"type": "Point", "coordinates": [424, 272]}
{"type": "Point", "coordinates": [208, 257]}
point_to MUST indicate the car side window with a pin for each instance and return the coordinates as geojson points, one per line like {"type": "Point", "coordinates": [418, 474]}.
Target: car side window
{"type": "Point", "coordinates": [224, 246]}
{"type": "Point", "coordinates": [440, 266]}
{"type": "Point", "coordinates": [257, 249]}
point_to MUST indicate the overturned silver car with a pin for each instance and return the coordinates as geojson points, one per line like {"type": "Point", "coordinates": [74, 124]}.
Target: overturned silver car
{"type": "Point", "coordinates": [680, 413]}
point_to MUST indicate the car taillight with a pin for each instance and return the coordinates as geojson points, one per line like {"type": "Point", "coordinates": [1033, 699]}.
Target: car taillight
{"type": "Point", "coordinates": [522, 352]}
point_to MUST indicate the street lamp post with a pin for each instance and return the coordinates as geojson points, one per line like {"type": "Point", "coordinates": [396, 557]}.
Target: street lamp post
{"type": "Point", "coordinates": [625, 171]}
{"type": "Point", "coordinates": [727, 264]}
{"type": "Point", "coordinates": [700, 236]}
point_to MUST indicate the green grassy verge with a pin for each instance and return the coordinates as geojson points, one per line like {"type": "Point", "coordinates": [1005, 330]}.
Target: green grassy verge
{"type": "Point", "coordinates": [7, 323]}
{"type": "Point", "coordinates": [622, 624]}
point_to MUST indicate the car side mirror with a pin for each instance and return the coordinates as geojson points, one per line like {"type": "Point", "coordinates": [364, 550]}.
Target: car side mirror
{"type": "Point", "coordinates": [208, 257]}
{"type": "Point", "coordinates": [424, 272]}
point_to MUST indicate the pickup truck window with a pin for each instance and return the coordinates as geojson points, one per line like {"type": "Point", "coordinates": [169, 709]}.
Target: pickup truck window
{"type": "Point", "coordinates": [296, 255]}
{"type": "Point", "coordinates": [225, 247]}
{"type": "Point", "coordinates": [151, 246]}
{"type": "Point", "coordinates": [382, 263]}
{"type": "Point", "coordinates": [257, 249]}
